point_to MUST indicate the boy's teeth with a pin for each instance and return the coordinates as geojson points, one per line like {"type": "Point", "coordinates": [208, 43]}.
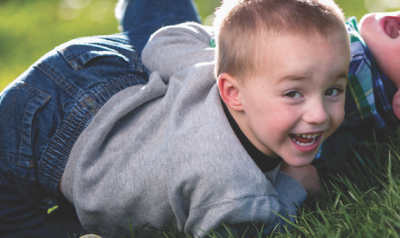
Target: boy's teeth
{"type": "Point", "coordinates": [306, 136]}
{"type": "Point", "coordinates": [304, 144]}
{"type": "Point", "coordinates": [309, 136]}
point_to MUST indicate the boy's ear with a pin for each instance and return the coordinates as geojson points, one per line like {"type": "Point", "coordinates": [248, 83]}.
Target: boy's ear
{"type": "Point", "coordinates": [229, 89]}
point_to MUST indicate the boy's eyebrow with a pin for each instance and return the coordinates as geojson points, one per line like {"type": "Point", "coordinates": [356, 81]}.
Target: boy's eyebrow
{"type": "Point", "coordinates": [291, 78]}
{"type": "Point", "coordinates": [343, 75]}
{"type": "Point", "coordinates": [299, 78]}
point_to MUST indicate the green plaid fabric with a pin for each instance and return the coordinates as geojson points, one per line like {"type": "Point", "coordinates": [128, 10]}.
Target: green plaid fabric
{"type": "Point", "coordinates": [360, 86]}
{"type": "Point", "coordinates": [212, 43]}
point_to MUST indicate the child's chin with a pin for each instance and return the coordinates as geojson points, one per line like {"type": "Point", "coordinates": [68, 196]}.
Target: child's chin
{"type": "Point", "coordinates": [301, 162]}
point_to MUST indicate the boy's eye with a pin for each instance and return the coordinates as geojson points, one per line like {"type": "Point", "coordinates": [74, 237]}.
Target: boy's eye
{"type": "Point", "coordinates": [333, 91]}
{"type": "Point", "coordinates": [293, 94]}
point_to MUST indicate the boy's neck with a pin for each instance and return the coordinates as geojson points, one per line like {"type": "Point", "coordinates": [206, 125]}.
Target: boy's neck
{"type": "Point", "coordinates": [264, 162]}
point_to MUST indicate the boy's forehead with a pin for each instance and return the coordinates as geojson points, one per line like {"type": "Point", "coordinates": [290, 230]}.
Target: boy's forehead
{"type": "Point", "coordinates": [267, 37]}
{"type": "Point", "coordinates": [294, 57]}
{"type": "Point", "coordinates": [273, 45]}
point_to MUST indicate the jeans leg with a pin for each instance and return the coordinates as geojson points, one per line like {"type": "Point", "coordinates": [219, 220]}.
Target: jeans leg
{"type": "Point", "coordinates": [134, 13]}
{"type": "Point", "coordinates": [141, 18]}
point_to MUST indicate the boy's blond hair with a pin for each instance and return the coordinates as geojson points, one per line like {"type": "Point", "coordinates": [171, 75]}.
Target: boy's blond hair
{"type": "Point", "coordinates": [243, 27]}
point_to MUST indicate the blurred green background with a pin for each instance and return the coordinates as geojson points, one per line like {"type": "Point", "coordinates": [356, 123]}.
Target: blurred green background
{"type": "Point", "coordinates": [30, 28]}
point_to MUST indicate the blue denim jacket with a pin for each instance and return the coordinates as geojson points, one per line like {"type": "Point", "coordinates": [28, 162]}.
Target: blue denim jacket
{"type": "Point", "coordinates": [43, 111]}
{"type": "Point", "coordinates": [47, 107]}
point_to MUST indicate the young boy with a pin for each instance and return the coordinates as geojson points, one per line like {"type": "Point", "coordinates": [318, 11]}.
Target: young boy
{"type": "Point", "coordinates": [171, 153]}
{"type": "Point", "coordinates": [192, 152]}
{"type": "Point", "coordinates": [372, 98]}
{"type": "Point", "coordinates": [170, 44]}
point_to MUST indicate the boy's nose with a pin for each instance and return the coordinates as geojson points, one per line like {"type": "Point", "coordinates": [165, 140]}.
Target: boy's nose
{"type": "Point", "coordinates": [316, 113]}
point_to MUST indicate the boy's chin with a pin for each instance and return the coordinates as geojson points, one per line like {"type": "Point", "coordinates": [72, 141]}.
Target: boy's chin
{"type": "Point", "coordinates": [396, 104]}
{"type": "Point", "coordinates": [300, 162]}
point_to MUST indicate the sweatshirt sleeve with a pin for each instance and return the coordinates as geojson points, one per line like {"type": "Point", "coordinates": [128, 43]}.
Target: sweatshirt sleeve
{"type": "Point", "coordinates": [174, 48]}
{"type": "Point", "coordinates": [291, 195]}
{"type": "Point", "coordinates": [247, 215]}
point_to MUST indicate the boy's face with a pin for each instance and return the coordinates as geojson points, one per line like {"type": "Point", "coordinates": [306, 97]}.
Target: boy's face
{"type": "Point", "coordinates": [296, 98]}
{"type": "Point", "coordinates": [381, 34]}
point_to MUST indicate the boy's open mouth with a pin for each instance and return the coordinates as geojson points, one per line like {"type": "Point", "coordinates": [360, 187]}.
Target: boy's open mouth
{"type": "Point", "coordinates": [305, 139]}
{"type": "Point", "coordinates": [392, 27]}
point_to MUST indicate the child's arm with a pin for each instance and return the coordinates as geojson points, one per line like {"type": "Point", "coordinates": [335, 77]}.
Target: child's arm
{"type": "Point", "coordinates": [174, 48]}
{"type": "Point", "coordinates": [307, 176]}
{"type": "Point", "coordinates": [283, 195]}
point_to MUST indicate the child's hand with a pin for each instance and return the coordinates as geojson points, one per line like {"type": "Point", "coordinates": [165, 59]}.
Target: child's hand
{"type": "Point", "coordinates": [306, 176]}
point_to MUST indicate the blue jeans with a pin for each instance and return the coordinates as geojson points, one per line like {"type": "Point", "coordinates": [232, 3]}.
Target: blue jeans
{"type": "Point", "coordinates": [43, 111]}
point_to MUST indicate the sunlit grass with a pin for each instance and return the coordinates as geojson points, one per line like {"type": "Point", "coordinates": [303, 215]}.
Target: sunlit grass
{"type": "Point", "coordinates": [29, 29]}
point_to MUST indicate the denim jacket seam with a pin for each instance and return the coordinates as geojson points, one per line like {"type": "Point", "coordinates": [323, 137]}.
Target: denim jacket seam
{"type": "Point", "coordinates": [96, 95]}
{"type": "Point", "coordinates": [68, 121]}
{"type": "Point", "coordinates": [47, 70]}
{"type": "Point", "coordinates": [79, 108]}
{"type": "Point", "coordinates": [9, 156]}
{"type": "Point", "coordinates": [104, 43]}
{"type": "Point", "coordinates": [8, 109]}
{"type": "Point", "coordinates": [62, 161]}
{"type": "Point", "coordinates": [23, 124]}
{"type": "Point", "coordinates": [134, 56]}
{"type": "Point", "coordinates": [71, 117]}
{"type": "Point", "coordinates": [133, 52]}
{"type": "Point", "coordinates": [69, 141]}
{"type": "Point", "coordinates": [25, 86]}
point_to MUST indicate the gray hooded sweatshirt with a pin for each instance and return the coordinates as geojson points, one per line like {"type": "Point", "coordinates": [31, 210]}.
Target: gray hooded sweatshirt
{"type": "Point", "coordinates": [165, 155]}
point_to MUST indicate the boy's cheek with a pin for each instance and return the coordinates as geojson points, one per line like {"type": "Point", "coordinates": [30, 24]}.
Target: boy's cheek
{"type": "Point", "coordinates": [369, 27]}
{"type": "Point", "coordinates": [340, 119]}
{"type": "Point", "coordinates": [341, 114]}
{"type": "Point", "coordinates": [337, 116]}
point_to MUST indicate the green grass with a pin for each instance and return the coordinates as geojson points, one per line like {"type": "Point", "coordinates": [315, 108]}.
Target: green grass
{"type": "Point", "coordinates": [361, 196]}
